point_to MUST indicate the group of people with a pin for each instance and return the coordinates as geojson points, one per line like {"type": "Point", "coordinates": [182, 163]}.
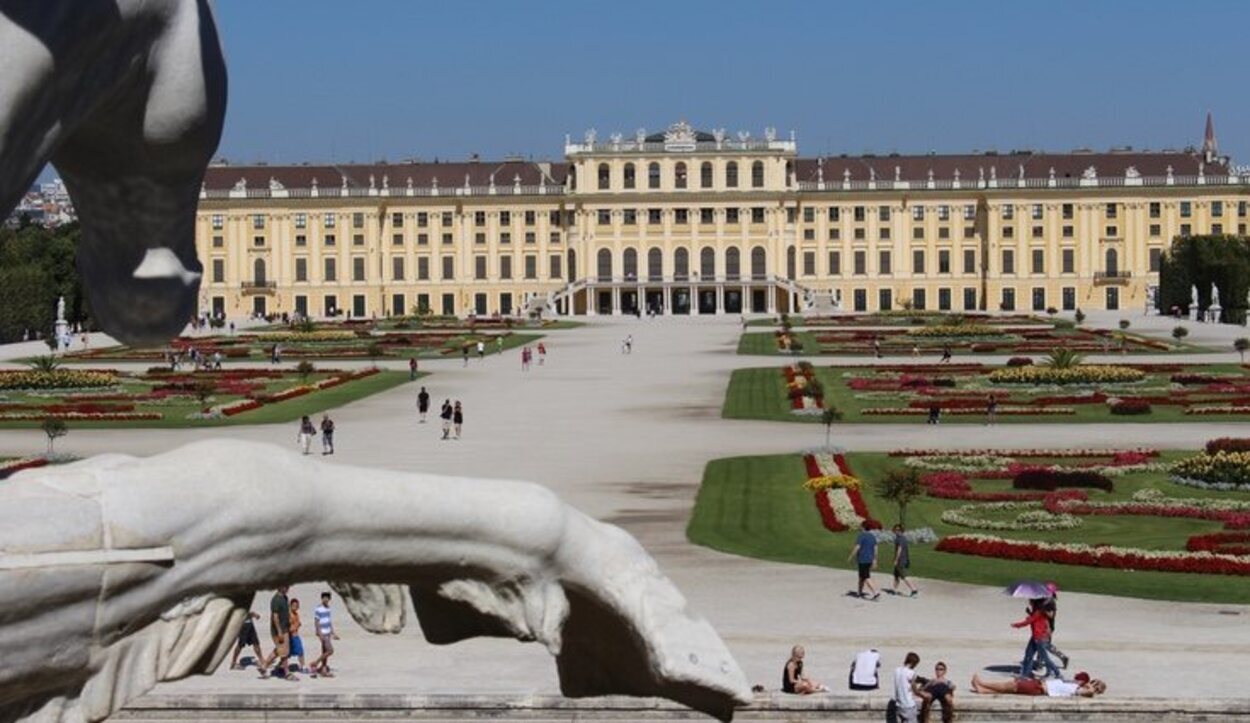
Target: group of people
{"type": "Point", "coordinates": [527, 356]}
{"type": "Point", "coordinates": [197, 359]}
{"type": "Point", "coordinates": [864, 553]}
{"type": "Point", "coordinates": [285, 628]}
{"type": "Point", "coordinates": [308, 432]}
{"type": "Point", "coordinates": [913, 696]}
{"type": "Point", "coordinates": [451, 414]}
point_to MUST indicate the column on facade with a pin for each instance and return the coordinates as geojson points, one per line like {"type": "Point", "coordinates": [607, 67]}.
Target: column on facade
{"type": "Point", "coordinates": [720, 298]}
{"type": "Point", "coordinates": [616, 299]}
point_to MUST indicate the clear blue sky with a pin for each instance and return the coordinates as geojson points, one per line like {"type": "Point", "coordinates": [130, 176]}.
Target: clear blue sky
{"type": "Point", "coordinates": [365, 79]}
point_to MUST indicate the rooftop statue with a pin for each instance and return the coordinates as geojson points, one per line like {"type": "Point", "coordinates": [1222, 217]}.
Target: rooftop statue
{"type": "Point", "coordinates": [117, 573]}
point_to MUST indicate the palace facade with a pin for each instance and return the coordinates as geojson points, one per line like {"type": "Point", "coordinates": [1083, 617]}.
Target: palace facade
{"type": "Point", "coordinates": [688, 222]}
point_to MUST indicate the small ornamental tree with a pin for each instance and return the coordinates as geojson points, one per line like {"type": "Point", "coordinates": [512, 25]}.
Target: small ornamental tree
{"type": "Point", "coordinates": [1179, 333]}
{"type": "Point", "coordinates": [1241, 344]}
{"type": "Point", "coordinates": [374, 350]}
{"type": "Point", "coordinates": [900, 485]}
{"type": "Point", "coordinates": [305, 369]}
{"type": "Point", "coordinates": [53, 428]}
{"type": "Point", "coordinates": [1079, 316]}
{"type": "Point", "coordinates": [44, 363]}
{"type": "Point", "coordinates": [1125, 324]}
{"type": "Point", "coordinates": [827, 418]}
{"type": "Point", "coordinates": [204, 389]}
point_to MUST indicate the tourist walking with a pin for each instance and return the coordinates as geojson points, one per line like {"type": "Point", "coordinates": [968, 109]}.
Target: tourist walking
{"type": "Point", "coordinates": [946, 354]}
{"type": "Point", "coordinates": [1039, 639]}
{"type": "Point", "coordinates": [445, 415]}
{"type": "Point", "coordinates": [905, 689]}
{"type": "Point", "coordinates": [1050, 607]}
{"type": "Point", "coordinates": [464, 354]}
{"type": "Point", "coordinates": [217, 361]}
{"type": "Point", "coordinates": [865, 555]}
{"type": "Point", "coordinates": [991, 409]}
{"type": "Point", "coordinates": [280, 631]}
{"type": "Point", "coordinates": [297, 643]}
{"type": "Point", "coordinates": [627, 347]}
{"type": "Point", "coordinates": [481, 349]}
{"type": "Point", "coordinates": [327, 434]}
{"type": "Point", "coordinates": [935, 414]}
{"type": "Point", "coordinates": [542, 353]}
{"type": "Point", "coordinates": [902, 560]}
{"type": "Point", "coordinates": [457, 418]}
{"type": "Point", "coordinates": [423, 404]}
{"type": "Point", "coordinates": [248, 638]}
{"type": "Point", "coordinates": [326, 635]}
{"type": "Point", "coordinates": [412, 369]}
{"type": "Point", "coordinates": [306, 433]}
{"type": "Point", "coordinates": [525, 359]}
{"type": "Point", "coordinates": [876, 347]}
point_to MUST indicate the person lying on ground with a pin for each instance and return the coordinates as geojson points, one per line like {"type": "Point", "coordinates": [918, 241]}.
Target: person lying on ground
{"type": "Point", "coordinates": [1082, 686]}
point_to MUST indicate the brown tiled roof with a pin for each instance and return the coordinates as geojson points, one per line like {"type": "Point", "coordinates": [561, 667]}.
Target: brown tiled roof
{"type": "Point", "coordinates": [449, 175]}
{"type": "Point", "coordinates": [1035, 164]}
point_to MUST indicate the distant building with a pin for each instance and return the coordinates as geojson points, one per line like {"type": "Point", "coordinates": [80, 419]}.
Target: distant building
{"type": "Point", "coordinates": [46, 205]}
{"type": "Point", "coordinates": [691, 222]}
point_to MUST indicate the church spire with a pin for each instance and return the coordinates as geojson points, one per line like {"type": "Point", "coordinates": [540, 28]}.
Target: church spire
{"type": "Point", "coordinates": [1209, 148]}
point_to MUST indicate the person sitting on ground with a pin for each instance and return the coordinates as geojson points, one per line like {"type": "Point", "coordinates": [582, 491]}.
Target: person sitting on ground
{"type": "Point", "coordinates": [865, 670]}
{"type": "Point", "coordinates": [1082, 685]}
{"type": "Point", "coordinates": [792, 678]}
{"type": "Point", "coordinates": [939, 690]}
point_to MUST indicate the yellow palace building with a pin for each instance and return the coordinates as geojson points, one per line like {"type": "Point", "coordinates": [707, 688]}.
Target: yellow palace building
{"type": "Point", "coordinates": [691, 222]}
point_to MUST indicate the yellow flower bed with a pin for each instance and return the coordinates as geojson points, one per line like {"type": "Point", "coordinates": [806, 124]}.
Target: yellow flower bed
{"type": "Point", "coordinates": [829, 481]}
{"type": "Point", "coordinates": [1084, 374]}
{"type": "Point", "coordinates": [956, 330]}
{"type": "Point", "coordinates": [57, 379]}
{"type": "Point", "coordinates": [1222, 470]}
{"type": "Point", "coordinates": [297, 336]}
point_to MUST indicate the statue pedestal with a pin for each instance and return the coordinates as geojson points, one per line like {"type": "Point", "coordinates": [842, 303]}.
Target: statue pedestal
{"type": "Point", "coordinates": [1213, 313]}
{"type": "Point", "coordinates": [62, 334]}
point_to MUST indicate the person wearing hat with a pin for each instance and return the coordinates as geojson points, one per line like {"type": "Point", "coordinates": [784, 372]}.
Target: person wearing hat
{"type": "Point", "coordinates": [1081, 686]}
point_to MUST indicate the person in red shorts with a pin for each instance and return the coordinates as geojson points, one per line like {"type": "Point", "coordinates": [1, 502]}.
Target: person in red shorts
{"type": "Point", "coordinates": [1081, 686]}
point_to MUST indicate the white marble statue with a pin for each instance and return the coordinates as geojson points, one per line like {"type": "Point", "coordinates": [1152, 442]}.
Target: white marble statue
{"type": "Point", "coordinates": [117, 573]}
{"type": "Point", "coordinates": [1215, 296]}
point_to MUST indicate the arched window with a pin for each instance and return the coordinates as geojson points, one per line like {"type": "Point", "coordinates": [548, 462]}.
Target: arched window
{"type": "Point", "coordinates": [653, 175]}
{"type": "Point", "coordinates": [705, 175]}
{"type": "Point", "coordinates": [572, 178]}
{"type": "Point", "coordinates": [731, 174]}
{"type": "Point", "coordinates": [757, 174]}
{"type": "Point", "coordinates": [733, 265]}
{"type": "Point", "coordinates": [681, 264]}
{"type": "Point", "coordinates": [707, 263]}
{"type": "Point", "coordinates": [630, 181]}
{"type": "Point", "coordinates": [1112, 266]}
{"type": "Point", "coordinates": [789, 173]}
{"type": "Point", "coordinates": [572, 265]}
{"type": "Point", "coordinates": [605, 177]}
{"type": "Point", "coordinates": [630, 264]}
{"type": "Point", "coordinates": [655, 264]}
{"type": "Point", "coordinates": [605, 265]}
{"type": "Point", "coordinates": [258, 271]}
{"type": "Point", "coordinates": [759, 264]}
{"type": "Point", "coordinates": [680, 177]}
{"type": "Point", "coordinates": [790, 263]}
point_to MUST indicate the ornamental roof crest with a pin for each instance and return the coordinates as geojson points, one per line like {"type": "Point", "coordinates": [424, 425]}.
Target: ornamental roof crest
{"type": "Point", "coordinates": [679, 137]}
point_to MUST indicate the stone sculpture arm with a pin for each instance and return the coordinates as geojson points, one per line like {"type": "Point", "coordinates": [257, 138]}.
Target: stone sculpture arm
{"type": "Point", "coordinates": [214, 521]}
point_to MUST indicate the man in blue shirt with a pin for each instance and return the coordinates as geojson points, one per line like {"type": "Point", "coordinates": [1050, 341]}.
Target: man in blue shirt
{"type": "Point", "coordinates": [865, 555]}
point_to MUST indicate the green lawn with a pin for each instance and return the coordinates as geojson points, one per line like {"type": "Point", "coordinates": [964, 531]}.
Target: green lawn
{"type": "Point", "coordinates": [896, 342]}
{"type": "Point", "coordinates": [175, 414]}
{"type": "Point", "coordinates": [760, 393]}
{"type": "Point", "coordinates": [757, 507]}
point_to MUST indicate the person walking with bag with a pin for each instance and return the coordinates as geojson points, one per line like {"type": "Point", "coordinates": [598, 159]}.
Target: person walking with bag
{"type": "Point", "coordinates": [305, 435]}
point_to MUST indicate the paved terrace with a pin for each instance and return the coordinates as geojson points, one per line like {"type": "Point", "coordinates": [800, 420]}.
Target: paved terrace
{"type": "Point", "coordinates": [625, 438]}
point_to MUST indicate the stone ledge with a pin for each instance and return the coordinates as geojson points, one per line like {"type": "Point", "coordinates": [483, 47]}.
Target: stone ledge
{"type": "Point", "coordinates": [391, 706]}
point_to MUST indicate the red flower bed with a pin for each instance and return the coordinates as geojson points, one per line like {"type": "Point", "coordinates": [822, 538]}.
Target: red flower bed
{"type": "Point", "coordinates": [1072, 502]}
{"type": "Point", "coordinates": [1049, 480]}
{"type": "Point", "coordinates": [954, 486]}
{"type": "Point", "coordinates": [1224, 543]}
{"type": "Point", "coordinates": [19, 465]}
{"type": "Point", "coordinates": [984, 546]}
{"type": "Point", "coordinates": [1228, 444]}
{"type": "Point", "coordinates": [239, 408]}
{"type": "Point", "coordinates": [827, 517]}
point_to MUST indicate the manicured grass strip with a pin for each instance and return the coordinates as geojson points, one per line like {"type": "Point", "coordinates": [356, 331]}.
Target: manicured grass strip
{"type": "Point", "coordinates": [757, 507]}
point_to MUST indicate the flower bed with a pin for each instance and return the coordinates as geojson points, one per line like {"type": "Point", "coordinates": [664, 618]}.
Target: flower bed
{"type": "Point", "coordinates": [956, 330]}
{"type": "Point", "coordinates": [1033, 516]}
{"type": "Point", "coordinates": [1228, 444]}
{"type": "Point", "coordinates": [837, 493]}
{"type": "Point", "coordinates": [1225, 543]}
{"type": "Point", "coordinates": [1083, 374]}
{"type": "Point", "coordinates": [11, 467]}
{"type": "Point", "coordinates": [1123, 558]}
{"type": "Point", "coordinates": [304, 336]}
{"type": "Point", "coordinates": [56, 379]}
{"type": "Point", "coordinates": [1152, 503]}
{"type": "Point", "coordinates": [1221, 470]}
{"type": "Point", "coordinates": [1046, 479]}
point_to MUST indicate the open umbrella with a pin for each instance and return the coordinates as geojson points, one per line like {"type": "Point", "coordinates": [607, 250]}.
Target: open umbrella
{"type": "Point", "coordinates": [1027, 589]}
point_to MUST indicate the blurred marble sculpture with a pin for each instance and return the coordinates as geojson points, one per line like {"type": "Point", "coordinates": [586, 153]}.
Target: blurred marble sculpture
{"type": "Point", "coordinates": [117, 573]}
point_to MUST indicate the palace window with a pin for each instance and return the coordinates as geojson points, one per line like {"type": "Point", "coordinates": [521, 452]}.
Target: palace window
{"type": "Point", "coordinates": [917, 261]}
{"type": "Point", "coordinates": [397, 220]}
{"type": "Point", "coordinates": [397, 268]}
{"type": "Point", "coordinates": [258, 222]}
{"type": "Point", "coordinates": [301, 269]}
{"type": "Point", "coordinates": [1217, 228]}
{"type": "Point", "coordinates": [505, 238]}
{"type": "Point", "coordinates": [681, 216]}
{"type": "Point", "coordinates": [970, 299]}
{"type": "Point", "coordinates": [505, 267]}
{"type": "Point", "coordinates": [834, 214]}
{"type": "Point", "coordinates": [329, 239]}
{"type": "Point", "coordinates": [1037, 232]}
{"type": "Point", "coordinates": [218, 221]}
{"type": "Point", "coordinates": [505, 218]}
{"type": "Point", "coordinates": [860, 262]}
{"type": "Point", "coordinates": [1009, 231]}
{"type": "Point", "coordinates": [1009, 261]}
{"type": "Point", "coordinates": [883, 214]}
{"type": "Point", "coordinates": [970, 231]}
{"type": "Point", "coordinates": [885, 233]}
{"type": "Point", "coordinates": [731, 215]}
{"type": "Point", "coordinates": [835, 234]}
{"type": "Point", "coordinates": [1156, 257]}
{"type": "Point", "coordinates": [219, 242]}
{"type": "Point", "coordinates": [328, 220]}
{"type": "Point", "coordinates": [653, 175]}
{"type": "Point", "coordinates": [858, 213]}
{"type": "Point", "coordinates": [331, 271]}
{"type": "Point", "coordinates": [757, 215]}
{"type": "Point", "coordinates": [918, 299]}
{"type": "Point", "coordinates": [885, 299]}
{"type": "Point", "coordinates": [1037, 211]}
{"type": "Point", "coordinates": [423, 268]}
{"type": "Point", "coordinates": [1112, 231]}
{"type": "Point", "coordinates": [555, 237]}
{"type": "Point", "coordinates": [1156, 209]}
{"type": "Point", "coordinates": [530, 217]}
{"type": "Point", "coordinates": [358, 268]}
{"type": "Point", "coordinates": [630, 217]}
{"type": "Point", "coordinates": [423, 219]}
{"type": "Point", "coordinates": [479, 238]}
{"type": "Point", "coordinates": [531, 267]}
{"type": "Point", "coordinates": [531, 238]}
{"type": "Point", "coordinates": [679, 175]}
{"type": "Point", "coordinates": [1068, 261]}
{"type": "Point", "coordinates": [884, 263]}
{"type": "Point", "coordinates": [809, 234]}
{"type": "Point", "coordinates": [705, 175]}
{"type": "Point", "coordinates": [1186, 229]}
{"type": "Point", "coordinates": [358, 220]}
{"type": "Point", "coordinates": [1187, 209]}
{"type": "Point", "coordinates": [917, 213]}
{"type": "Point", "coordinates": [479, 218]}
{"type": "Point", "coordinates": [731, 174]}
{"type": "Point", "coordinates": [1112, 210]}
{"type": "Point", "coordinates": [944, 261]}
{"type": "Point", "coordinates": [970, 261]}
{"type": "Point", "coordinates": [1008, 212]}
{"type": "Point", "coordinates": [1039, 261]}
{"type": "Point", "coordinates": [1068, 231]}
{"type": "Point", "coordinates": [631, 180]}
{"type": "Point", "coordinates": [446, 220]}
{"type": "Point", "coordinates": [447, 239]}
{"type": "Point", "coordinates": [1068, 211]}
{"type": "Point", "coordinates": [603, 217]}
{"type": "Point", "coordinates": [449, 268]}
{"type": "Point", "coordinates": [835, 263]}
{"type": "Point", "coordinates": [757, 174]}
{"type": "Point", "coordinates": [479, 268]}
{"type": "Point", "coordinates": [554, 270]}
{"type": "Point", "coordinates": [358, 239]}
{"type": "Point", "coordinates": [654, 216]}
{"type": "Point", "coordinates": [944, 212]}
{"type": "Point", "coordinates": [944, 233]}
{"type": "Point", "coordinates": [809, 263]}
{"type": "Point", "coordinates": [301, 220]}
{"type": "Point", "coordinates": [1008, 300]}
{"type": "Point", "coordinates": [809, 214]}
{"type": "Point", "coordinates": [707, 216]}
{"type": "Point", "coordinates": [970, 212]}
{"type": "Point", "coordinates": [219, 271]}
{"type": "Point", "coordinates": [1243, 208]}
{"type": "Point", "coordinates": [859, 234]}
{"type": "Point", "coordinates": [397, 239]}
{"type": "Point", "coordinates": [1155, 229]}
{"type": "Point", "coordinates": [917, 233]}
{"type": "Point", "coordinates": [605, 177]}
{"type": "Point", "coordinates": [1217, 209]}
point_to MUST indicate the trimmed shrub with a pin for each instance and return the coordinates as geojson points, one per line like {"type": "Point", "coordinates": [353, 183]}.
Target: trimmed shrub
{"type": "Point", "coordinates": [1051, 480]}
{"type": "Point", "coordinates": [1131, 406]}
{"type": "Point", "coordinates": [1020, 361]}
{"type": "Point", "coordinates": [1228, 444]}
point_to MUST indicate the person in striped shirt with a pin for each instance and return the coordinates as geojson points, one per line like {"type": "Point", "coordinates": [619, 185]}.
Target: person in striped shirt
{"type": "Point", "coordinates": [326, 635]}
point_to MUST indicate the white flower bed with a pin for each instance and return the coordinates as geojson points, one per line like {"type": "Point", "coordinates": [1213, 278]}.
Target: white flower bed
{"type": "Point", "coordinates": [1032, 518]}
